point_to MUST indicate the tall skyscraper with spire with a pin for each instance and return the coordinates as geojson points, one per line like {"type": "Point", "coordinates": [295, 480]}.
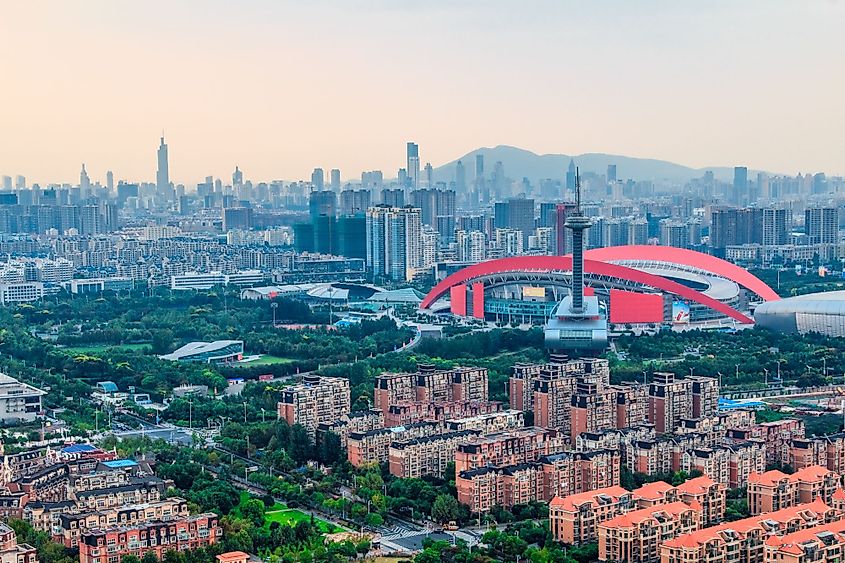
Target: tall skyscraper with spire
{"type": "Point", "coordinates": [84, 183]}
{"type": "Point", "coordinates": [163, 172]}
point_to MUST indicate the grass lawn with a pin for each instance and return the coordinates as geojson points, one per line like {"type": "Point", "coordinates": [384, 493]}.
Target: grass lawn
{"type": "Point", "coordinates": [266, 360]}
{"type": "Point", "coordinates": [94, 349]}
{"type": "Point", "coordinates": [291, 516]}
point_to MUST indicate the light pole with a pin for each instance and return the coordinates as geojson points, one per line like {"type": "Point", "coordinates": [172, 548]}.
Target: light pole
{"type": "Point", "coordinates": [244, 412]}
{"type": "Point", "coordinates": [780, 361]}
{"type": "Point", "coordinates": [736, 374]}
{"type": "Point", "coordinates": [273, 307]}
{"type": "Point", "coordinates": [262, 414]}
{"type": "Point", "coordinates": [766, 374]}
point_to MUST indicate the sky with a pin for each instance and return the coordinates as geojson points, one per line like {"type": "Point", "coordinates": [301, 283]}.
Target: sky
{"type": "Point", "coordinates": [281, 87]}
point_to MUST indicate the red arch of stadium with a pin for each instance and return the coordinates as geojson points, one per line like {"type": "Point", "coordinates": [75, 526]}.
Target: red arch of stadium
{"type": "Point", "coordinates": [564, 263]}
{"type": "Point", "coordinates": [685, 257]}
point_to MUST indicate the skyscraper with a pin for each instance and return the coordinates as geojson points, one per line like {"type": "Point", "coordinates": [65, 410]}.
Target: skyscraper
{"type": "Point", "coordinates": [481, 194]}
{"type": "Point", "coordinates": [611, 173]}
{"type": "Point", "coordinates": [7, 182]}
{"type": "Point", "coordinates": [740, 184]}
{"type": "Point", "coordinates": [570, 175]}
{"type": "Point", "coordinates": [110, 181]}
{"type": "Point", "coordinates": [394, 242]}
{"type": "Point", "coordinates": [163, 172]}
{"type": "Point", "coordinates": [237, 177]}
{"type": "Point", "coordinates": [515, 213]}
{"type": "Point", "coordinates": [429, 175]}
{"type": "Point", "coordinates": [413, 165]}
{"type": "Point", "coordinates": [822, 225]}
{"type": "Point", "coordinates": [84, 182]}
{"type": "Point", "coordinates": [460, 179]}
{"type": "Point", "coordinates": [318, 179]}
{"type": "Point", "coordinates": [335, 180]}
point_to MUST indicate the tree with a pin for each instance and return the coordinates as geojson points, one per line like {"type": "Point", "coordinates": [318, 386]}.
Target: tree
{"type": "Point", "coordinates": [149, 557]}
{"type": "Point", "coordinates": [130, 559]}
{"type": "Point", "coordinates": [253, 510]}
{"type": "Point", "coordinates": [330, 449]}
{"type": "Point", "coordinates": [445, 509]}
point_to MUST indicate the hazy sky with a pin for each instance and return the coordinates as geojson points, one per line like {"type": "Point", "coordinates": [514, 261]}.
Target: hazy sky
{"type": "Point", "coordinates": [282, 87]}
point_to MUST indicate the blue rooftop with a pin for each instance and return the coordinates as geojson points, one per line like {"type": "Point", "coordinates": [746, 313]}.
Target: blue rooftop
{"type": "Point", "coordinates": [79, 449]}
{"type": "Point", "coordinates": [120, 463]}
{"type": "Point", "coordinates": [107, 386]}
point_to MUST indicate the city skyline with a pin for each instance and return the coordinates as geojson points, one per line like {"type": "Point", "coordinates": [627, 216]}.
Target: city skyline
{"type": "Point", "coordinates": [248, 86]}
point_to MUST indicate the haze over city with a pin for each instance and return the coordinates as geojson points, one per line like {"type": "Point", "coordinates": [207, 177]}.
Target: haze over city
{"type": "Point", "coordinates": [280, 88]}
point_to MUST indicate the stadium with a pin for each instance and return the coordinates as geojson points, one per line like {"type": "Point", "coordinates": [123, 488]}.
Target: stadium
{"type": "Point", "coordinates": [634, 285]}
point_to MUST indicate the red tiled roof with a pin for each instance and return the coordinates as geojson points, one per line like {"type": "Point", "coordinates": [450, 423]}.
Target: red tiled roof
{"type": "Point", "coordinates": [699, 537]}
{"type": "Point", "coordinates": [767, 478]}
{"type": "Point", "coordinates": [791, 542]}
{"type": "Point", "coordinates": [652, 491]}
{"type": "Point", "coordinates": [696, 486]}
{"type": "Point", "coordinates": [811, 473]}
{"type": "Point", "coordinates": [643, 514]}
{"type": "Point", "coordinates": [572, 502]}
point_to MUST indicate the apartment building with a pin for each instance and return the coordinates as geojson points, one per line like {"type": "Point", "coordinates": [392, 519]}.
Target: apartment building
{"type": "Point", "coordinates": [573, 519]}
{"type": "Point", "coordinates": [555, 386]}
{"type": "Point", "coordinates": [359, 421]}
{"type": "Point", "coordinates": [13, 552]}
{"type": "Point", "coordinates": [408, 413]}
{"type": "Point", "coordinates": [105, 545]}
{"type": "Point", "coordinates": [669, 401]}
{"type": "Point", "coordinates": [70, 527]}
{"type": "Point", "coordinates": [430, 385]}
{"type": "Point", "coordinates": [490, 422]}
{"type": "Point", "coordinates": [743, 541]}
{"type": "Point", "coordinates": [316, 400]}
{"type": "Point", "coordinates": [822, 544]}
{"type": "Point", "coordinates": [778, 436]}
{"type": "Point", "coordinates": [637, 537]}
{"type": "Point", "coordinates": [428, 455]}
{"type": "Point", "coordinates": [507, 448]}
{"type": "Point", "coordinates": [560, 474]}
{"type": "Point", "coordinates": [141, 491]}
{"type": "Point", "coordinates": [774, 490]}
{"type": "Point", "coordinates": [631, 405]}
{"type": "Point", "coordinates": [827, 451]}
{"type": "Point", "coordinates": [373, 446]}
{"type": "Point", "coordinates": [593, 406]}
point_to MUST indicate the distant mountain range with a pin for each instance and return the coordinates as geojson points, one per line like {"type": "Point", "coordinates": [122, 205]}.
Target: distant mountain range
{"type": "Point", "coordinates": [520, 163]}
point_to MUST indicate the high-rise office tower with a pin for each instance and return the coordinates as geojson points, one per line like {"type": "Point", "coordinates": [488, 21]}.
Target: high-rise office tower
{"type": "Point", "coordinates": [480, 183]}
{"type": "Point", "coordinates": [318, 179]}
{"type": "Point", "coordinates": [20, 182]}
{"type": "Point", "coordinates": [335, 180]}
{"type": "Point", "coordinates": [570, 175]}
{"type": "Point", "coordinates": [460, 179]}
{"type": "Point", "coordinates": [822, 225]}
{"type": "Point", "coordinates": [163, 171]}
{"type": "Point", "coordinates": [429, 175]}
{"type": "Point", "coordinates": [237, 177]}
{"type": "Point", "coordinates": [322, 203]}
{"type": "Point", "coordinates": [84, 182]}
{"type": "Point", "coordinates": [354, 202]}
{"type": "Point", "coordinates": [110, 181]}
{"type": "Point", "coordinates": [394, 242]}
{"type": "Point", "coordinates": [372, 180]}
{"type": "Point", "coordinates": [413, 165]}
{"type": "Point", "coordinates": [7, 182]}
{"type": "Point", "coordinates": [515, 213]}
{"type": "Point", "coordinates": [740, 184]}
{"type": "Point", "coordinates": [394, 197]}
{"type": "Point", "coordinates": [611, 173]}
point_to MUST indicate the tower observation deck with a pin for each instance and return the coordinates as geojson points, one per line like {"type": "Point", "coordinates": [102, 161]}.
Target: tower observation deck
{"type": "Point", "coordinates": [578, 324]}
